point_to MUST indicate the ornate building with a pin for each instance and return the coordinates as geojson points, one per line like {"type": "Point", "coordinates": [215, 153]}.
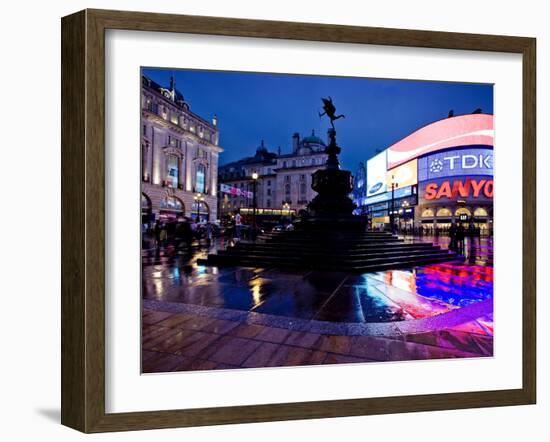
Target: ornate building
{"type": "Point", "coordinates": [284, 180]}
{"type": "Point", "coordinates": [179, 156]}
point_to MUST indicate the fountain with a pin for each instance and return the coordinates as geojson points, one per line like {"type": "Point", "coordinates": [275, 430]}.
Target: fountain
{"type": "Point", "coordinates": [328, 236]}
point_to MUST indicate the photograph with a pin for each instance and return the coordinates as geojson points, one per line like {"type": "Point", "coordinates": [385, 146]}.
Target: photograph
{"type": "Point", "coordinates": [300, 220]}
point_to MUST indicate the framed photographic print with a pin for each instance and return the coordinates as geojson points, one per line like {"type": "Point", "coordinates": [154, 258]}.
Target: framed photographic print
{"type": "Point", "coordinates": [268, 221]}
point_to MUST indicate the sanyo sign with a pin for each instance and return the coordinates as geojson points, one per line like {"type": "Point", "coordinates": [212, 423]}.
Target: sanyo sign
{"type": "Point", "coordinates": [455, 163]}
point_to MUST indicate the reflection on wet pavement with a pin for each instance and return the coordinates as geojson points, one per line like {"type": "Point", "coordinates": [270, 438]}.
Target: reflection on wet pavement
{"type": "Point", "coordinates": [380, 297]}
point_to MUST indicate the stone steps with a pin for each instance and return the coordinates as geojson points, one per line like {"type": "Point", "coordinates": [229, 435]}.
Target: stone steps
{"type": "Point", "coordinates": [348, 251]}
{"type": "Point", "coordinates": [358, 266]}
{"type": "Point", "coordinates": [259, 254]}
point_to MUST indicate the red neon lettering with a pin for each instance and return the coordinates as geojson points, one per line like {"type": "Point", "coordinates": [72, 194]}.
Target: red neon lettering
{"type": "Point", "coordinates": [477, 186]}
{"type": "Point", "coordinates": [431, 191]}
{"type": "Point", "coordinates": [445, 190]}
{"type": "Point", "coordinates": [459, 188]}
{"type": "Point", "coordinates": [488, 189]}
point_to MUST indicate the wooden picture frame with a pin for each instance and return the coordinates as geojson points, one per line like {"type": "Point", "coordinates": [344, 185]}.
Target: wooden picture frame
{"type": "Point", "coordinates": [83, 215]}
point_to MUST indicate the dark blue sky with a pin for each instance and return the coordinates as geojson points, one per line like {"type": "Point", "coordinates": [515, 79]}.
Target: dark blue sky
{"type": "Point", "coordinates": [255, 106]}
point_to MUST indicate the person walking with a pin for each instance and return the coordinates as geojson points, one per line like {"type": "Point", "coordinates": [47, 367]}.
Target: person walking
{"type": "Point", "coordinates": [452, 235]}
{"type": "Point", "coordinates": [209, 232]}
{"type": "Point", "coordinates": [238, 225]}
{"type": "Point", "coordinates": [460, 236]}
{"type": "Point", "coordinates": [157, 231]}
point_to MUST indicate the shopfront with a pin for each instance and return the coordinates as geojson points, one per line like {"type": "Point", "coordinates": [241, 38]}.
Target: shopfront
{"type": "Point", "coordinates": [466, 200]}
{"type": "Point", "coordinates": [438, 175]}
{"type": "Point", "coordinates": [200, 212]}
{"type": "Point", "coordinates": [171, 209]}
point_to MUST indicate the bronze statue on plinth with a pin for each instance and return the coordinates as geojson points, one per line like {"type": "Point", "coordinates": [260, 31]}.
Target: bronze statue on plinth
{"type": "Point", "coordinates": [332, 203]}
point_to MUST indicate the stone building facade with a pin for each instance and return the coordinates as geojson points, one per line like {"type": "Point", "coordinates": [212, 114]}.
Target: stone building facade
{"type": "Point", "coordinates": [284, 180]}
{"type": "Point", "coordinates": [179, 156]}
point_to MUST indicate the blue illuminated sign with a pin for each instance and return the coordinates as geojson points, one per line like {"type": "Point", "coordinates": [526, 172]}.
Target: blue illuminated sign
{"type": "Point", "coordinates": [456, 162]}
{"type": "Point", "coordinates": [398, 193]}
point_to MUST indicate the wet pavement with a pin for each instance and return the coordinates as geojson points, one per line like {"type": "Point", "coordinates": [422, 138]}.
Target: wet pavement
{"type": "Point", "coordinates": [443, 308]}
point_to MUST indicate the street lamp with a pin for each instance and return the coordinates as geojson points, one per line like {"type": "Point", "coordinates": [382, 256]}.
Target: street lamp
{"type": "Point", "coordinates": [198, 198]}
{"type": "Point", "coordinates": [254, 201]}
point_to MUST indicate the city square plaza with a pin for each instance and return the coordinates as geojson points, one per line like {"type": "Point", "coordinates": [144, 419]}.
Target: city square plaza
{"type": "Point", "coordinates": [198, 317]}
{"type": "Point", "coordinates": [393, 264]}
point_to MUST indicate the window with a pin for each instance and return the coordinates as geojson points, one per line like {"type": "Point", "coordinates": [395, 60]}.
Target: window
{"type": "Point", "coordinates": [172, 171]}
{"type": "Point", "coordinates": [480, 211]}
{"type": "Point", "coordinates": [269, 182]}
{"type": "Point", "coordinates": [284, 163]}
{"type": "Point", "coordinates": [268, 203]}
{"type": "Point", "coordinates": [144, 130]}
{"type": "Point", "coordinates": [443, 212]}
{"type": "Point", "coordinates": [200, 208]}
{"type": "Point", "coordinates": [268, 192]}
{"type": "Point", "coordinates": [462, 211]}
{"type": "Point", "coordinates": [287, 189]}
{"type": "Point", "coordinates": [145, 202]}
{"type": "Point", "coordinates": [199, 178]}
{"type": "Point", "coordinates": [293, 163]}
{"type": "Point", "coordinates": [428, 213]}
{"type": "Point", "coordinates": [302, 177]}
{"type": "Point", "coordinates": [287, 178]}
{"type": "Point", "coordinates": [303, 189]}
{"type": "Point", "coordinates": [171, 203]}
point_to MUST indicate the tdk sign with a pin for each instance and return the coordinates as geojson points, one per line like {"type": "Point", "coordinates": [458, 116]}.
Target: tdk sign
{"type": "Point", "coordinates": [456, 163]}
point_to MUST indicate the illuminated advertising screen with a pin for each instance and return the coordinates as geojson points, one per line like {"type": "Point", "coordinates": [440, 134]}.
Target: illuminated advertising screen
{"type": "Point", "coordinates": [456, 162]}
{"type": "Point", "coordinates": [398, 193]}
{"type": "Point", "coordinates": [404, 175]}
{"type": "Point", "coordinates": [464, 130]}
{"type": "Point", "coordinates": [376, 175]}
{"type": "Point", "coordinates": [470, 189]}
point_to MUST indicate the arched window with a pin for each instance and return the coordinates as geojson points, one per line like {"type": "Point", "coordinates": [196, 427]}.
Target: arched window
{"type": "Point", "coordinates": [200, 210]}
{"type": "Point", "coordinates": [443, 212]}
{"type": "Point", "coordinates": [480, 212]}
{"type": "Point", "coordinates": [171, 203]}
{"type": "Point", "coordinates": [428, 213]}
{"type": "Point", "coordinates": [200, 178]}
{"type": "Point", "coordinates": [145, 202]}
{"type": "Point", "coordinates": [462, 211]}
{"type": "Point", "coordinates": [172, 171]}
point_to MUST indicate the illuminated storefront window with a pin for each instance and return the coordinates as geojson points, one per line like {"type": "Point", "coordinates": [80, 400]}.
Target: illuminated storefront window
{"type": "Point", "coordinates": [200, 209]}
{"type": "Point", "coordinates": [443, 212]}
{"type": "Point", "coordinates": [462, 211]}
{"type": "Point", "coordinates": [171, 203]}
{"type": "Point", "coordinates": [428, 213]}
{"type": "Point", "coordinates": [480, 212]}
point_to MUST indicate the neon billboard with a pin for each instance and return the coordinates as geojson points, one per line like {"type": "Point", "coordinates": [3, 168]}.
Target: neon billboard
{"type": "Point", "coordinates": [400, 192]}
{"type": "Point", "coordinates": [404, 175]}
{"type": "Point", "coordinates": [458, 189]}
{"type": "Point", "coordinates": [376, 175]}
{"type": "Point", "coordinates": [464, 130]}
{"type": "Point", "coordinates": [456, 162]}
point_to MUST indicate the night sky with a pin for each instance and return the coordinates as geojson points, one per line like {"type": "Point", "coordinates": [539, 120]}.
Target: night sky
{"type": "Point", "coordinates": [255, 106]}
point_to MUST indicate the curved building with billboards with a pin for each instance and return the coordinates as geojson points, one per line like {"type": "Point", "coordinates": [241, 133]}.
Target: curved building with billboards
{"type": "Point", "coordinates": [439, 174]}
